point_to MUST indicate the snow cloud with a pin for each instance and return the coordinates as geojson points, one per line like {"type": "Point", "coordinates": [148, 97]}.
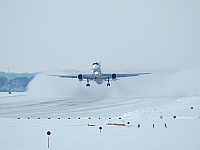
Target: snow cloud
{"type": "Point", "coordinates": [171, 83]}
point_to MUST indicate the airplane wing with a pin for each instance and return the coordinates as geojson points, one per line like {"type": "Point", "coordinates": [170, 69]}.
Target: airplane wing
{"type": "Point", "coordinates": [106, 76]}
{"type": "Point", "coordinates": [84, 76]}
{"type": "Point", "coordinates": [131, 75]}
{"type": "Point", "coordinates": [64, 76]}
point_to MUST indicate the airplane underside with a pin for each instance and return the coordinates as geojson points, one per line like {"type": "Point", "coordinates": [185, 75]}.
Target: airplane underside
{"type": "Point", "coordinates": [98, 81]}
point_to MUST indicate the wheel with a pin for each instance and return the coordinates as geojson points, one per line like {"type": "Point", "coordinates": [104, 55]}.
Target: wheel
{"type": "Point", "coordinates": [108, 84]}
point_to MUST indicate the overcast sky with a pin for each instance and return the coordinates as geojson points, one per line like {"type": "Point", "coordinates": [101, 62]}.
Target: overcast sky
{"type": "Point", "coordinates": [40, 35]}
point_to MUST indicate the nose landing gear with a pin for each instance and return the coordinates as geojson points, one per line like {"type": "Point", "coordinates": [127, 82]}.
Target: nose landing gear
{"type": "Point", "coordinates": [88, 84]}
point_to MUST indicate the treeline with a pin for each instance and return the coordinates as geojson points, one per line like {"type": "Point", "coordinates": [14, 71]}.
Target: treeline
{"type": "Point", "coordinates": [14, 82]}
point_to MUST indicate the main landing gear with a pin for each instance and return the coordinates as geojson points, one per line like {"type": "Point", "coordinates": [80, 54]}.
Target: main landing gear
{"type": "Point", "coordinates": [108, 84]}
{"type": "Point", "coordinates": [87, 85]}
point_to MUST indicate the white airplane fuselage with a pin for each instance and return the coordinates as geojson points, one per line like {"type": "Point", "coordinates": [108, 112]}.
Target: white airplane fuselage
{"type": "Point", "coordinates": [96, 71]}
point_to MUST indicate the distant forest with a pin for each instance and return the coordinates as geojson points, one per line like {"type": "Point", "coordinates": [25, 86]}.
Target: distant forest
{"type": "Point", "coordinates": [15, 82]}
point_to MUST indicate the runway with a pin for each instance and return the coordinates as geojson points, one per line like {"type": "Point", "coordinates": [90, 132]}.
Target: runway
{"type": "Point", "coordinates": [20, 105]}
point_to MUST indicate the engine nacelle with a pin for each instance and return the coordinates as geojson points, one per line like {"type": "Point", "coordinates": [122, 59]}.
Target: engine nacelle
{"type": "Point", "coordinates": [80, 77]}
{"type": "Point", "coordinates": [114, 76]}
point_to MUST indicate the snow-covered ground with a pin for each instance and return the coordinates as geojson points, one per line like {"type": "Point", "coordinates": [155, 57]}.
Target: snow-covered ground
{"type": "Point", "coordinates": [25, 120]}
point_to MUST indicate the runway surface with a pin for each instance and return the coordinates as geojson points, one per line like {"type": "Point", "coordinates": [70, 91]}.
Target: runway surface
{"type": "Point", "coordinates": [24, 106]}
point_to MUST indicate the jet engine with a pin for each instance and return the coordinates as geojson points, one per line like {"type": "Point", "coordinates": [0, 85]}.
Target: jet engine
{"type": "Point", "coordinates": [114, 76]}
{"type": "Point", "coordinates": [80, 77]}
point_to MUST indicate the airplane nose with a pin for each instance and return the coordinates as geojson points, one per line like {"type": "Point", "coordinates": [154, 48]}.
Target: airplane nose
{"type": "Point", "coordinates": [95, 67]}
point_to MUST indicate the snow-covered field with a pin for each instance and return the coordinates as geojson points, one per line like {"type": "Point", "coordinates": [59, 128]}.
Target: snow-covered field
{"type": "Point", "coordinates": [25, 120]}
{"type": "Point", "coordinates": [66, 107]}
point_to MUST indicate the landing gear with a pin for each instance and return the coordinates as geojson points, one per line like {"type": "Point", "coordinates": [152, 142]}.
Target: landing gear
{"type": "Point", "coordinates": [88, 84]}
{"type": "Point", "coordinates": [108, 84]}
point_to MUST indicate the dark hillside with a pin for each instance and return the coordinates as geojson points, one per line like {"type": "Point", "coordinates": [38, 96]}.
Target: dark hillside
{"type": "Point", "coordinates": [15, 82]}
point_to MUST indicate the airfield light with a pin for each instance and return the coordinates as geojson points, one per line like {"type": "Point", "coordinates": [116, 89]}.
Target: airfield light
{"type": "Point", "coordinates": [100, 128]}
{"type": "Point", "coordinates": [48, 134]}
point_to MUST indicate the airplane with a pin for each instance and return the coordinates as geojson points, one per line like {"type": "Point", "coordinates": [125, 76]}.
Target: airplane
{"type": "Point", "coordinates": [98, 76]}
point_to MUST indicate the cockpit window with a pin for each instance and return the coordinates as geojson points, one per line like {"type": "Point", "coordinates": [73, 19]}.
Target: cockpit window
{"type": "Point", "coordinates": [95, 63]}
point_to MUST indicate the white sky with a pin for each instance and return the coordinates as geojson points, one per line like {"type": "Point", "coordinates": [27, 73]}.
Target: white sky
{"type": "Point", "coordinates": [40, 35]}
